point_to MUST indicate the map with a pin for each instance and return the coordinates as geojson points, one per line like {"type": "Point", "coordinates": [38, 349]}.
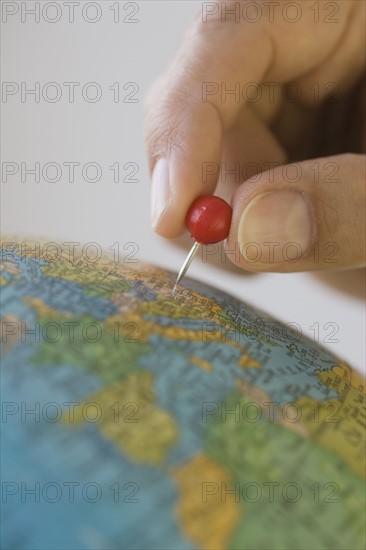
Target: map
{"type": "Point", "coordinates": [137, 419]}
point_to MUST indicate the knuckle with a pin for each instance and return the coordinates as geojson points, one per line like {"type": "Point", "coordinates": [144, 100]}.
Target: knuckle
{"type": "Point", "coordinates": [163, 132]}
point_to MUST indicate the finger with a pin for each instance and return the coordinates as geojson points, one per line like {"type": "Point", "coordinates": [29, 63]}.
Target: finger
{"type": "Point", "coordinates": [241, 157]}
{"type": "Point", "coordinates": [315, 223]}
{"type": "Point", "coordinates": [189, 110]}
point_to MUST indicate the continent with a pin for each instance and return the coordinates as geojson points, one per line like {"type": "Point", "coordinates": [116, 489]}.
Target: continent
{"type": "Point", "coordinates": [189, 304]}
{"type": "Point", "coordinates": [130, 418]}
{"type": "Point", "coordinates": [261, 401]}
{"type": "Point", "coordinates": [95, 281]}
{"type": "Point", "coordinates": [102, 348]}
{"type": "Point", "coordinates": [251, 434]}
{"type": "Point", "coordinates": [209, 523]}
{"type": "Point", "coordinates": [285, 479]}
{"type": "Point", "coordinates": [339, 424]}
{"type": "Point", "coordinates": [43, 311]}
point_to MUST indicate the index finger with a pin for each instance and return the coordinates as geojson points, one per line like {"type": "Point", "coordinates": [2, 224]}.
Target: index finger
{"type": "Point", "coordinates": [186, 115]}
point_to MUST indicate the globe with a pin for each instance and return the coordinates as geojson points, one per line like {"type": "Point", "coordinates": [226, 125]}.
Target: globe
{"type": "Point", "coordinates": [138, 418]}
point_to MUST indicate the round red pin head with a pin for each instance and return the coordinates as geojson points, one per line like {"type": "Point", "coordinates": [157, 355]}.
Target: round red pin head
{"type": "Point", "coordinates": [208, 219]}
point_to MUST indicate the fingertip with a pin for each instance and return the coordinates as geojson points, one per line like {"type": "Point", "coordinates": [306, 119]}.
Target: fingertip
{"type": "Point", "coordinates": [167, 225]}
{"type": "Point", "coordinates": [186, 167]}
{"type": "Point", "coordinates": [273, 226]}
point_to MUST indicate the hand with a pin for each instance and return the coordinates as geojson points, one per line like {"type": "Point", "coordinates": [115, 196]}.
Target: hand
{"type": "Point", "coordinates": [271, 111]}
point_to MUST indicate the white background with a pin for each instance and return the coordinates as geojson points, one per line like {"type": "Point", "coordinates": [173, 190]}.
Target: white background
{"type": "Point", "coordinates": [108, 132]}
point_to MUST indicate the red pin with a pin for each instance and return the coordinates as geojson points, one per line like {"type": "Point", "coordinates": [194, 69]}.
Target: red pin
{"type": "Point", "coordinates": [208, 220]}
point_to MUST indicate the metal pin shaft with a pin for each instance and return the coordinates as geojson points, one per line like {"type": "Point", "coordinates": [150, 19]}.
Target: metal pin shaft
{"type": "Point", "coordinates": [186, 264]}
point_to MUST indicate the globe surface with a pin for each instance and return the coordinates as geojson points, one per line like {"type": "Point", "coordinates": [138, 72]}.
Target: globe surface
{"type": "Point", "coordinates": [132, 418]}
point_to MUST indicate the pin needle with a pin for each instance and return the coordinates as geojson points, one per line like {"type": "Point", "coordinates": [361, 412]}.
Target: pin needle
{"type": "Point", "coordinates": [186, 264]}
{"type": "Point", "coordinates": [208, 220]}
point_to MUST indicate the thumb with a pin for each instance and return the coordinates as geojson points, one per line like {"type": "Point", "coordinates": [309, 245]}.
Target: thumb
{"type": "Point", "coordinates": [301, 217]}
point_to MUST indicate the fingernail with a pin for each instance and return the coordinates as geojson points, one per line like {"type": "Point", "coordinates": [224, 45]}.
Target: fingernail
{"type": "Point", "coordinates": [160, 190]}
{"type": "Point", "coordinates": [279, 224]}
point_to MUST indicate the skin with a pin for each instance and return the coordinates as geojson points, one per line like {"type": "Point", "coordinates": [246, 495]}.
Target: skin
{"type": "Point", "coordinates": [320, 131]}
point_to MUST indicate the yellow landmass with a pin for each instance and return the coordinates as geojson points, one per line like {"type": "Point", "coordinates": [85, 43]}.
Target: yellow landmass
{"type": "Point", "coordinates": [262, 399]}
{"type": "Point", "coordinates": [146, 328]}
{"type": "Point", "coordinates": [339, 424]}
{"type": "Point", "coordinates": [180, 333]}
{"type": "Point", "coordinates": [66, 264]}
{"type": "Point", "coordinates": [130, 325]}
{"type": "Point", "coordinates": [207, 514]}
{"type": "Point", "coordinates": [202, 363]}
{"type": "Point", "coordinates": [10, 331]}
{"type": "Point", "coordinates": [336, 424]}
{"type": "Point", "coordinates": [246, 361]}
{"type": "Point", "coordinates": [42, 309]}
{"type": "Point", "coordinates": [131, 419]}
{"type": "Point", "coordinates": [195, 306]}
{"type": "Point", "coordinates": [354, 378]}
{"type": "Point", "coordinates": [9, 267]}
